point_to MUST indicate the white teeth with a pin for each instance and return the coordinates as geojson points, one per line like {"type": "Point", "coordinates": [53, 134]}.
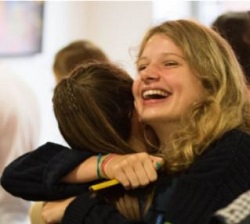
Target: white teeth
{"type": "Point", "coordinates": [149, 93]}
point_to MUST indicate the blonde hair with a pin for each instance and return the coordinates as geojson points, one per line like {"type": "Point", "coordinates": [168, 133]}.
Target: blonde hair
{"type": "Point", "coordinates": [226, 106]}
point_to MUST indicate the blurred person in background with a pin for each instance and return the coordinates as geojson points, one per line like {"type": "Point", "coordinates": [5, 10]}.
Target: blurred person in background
{"type": "Point", "coordinates": [75, 53]}
{"type": "Point", "coordinates": [235, 28]}
{"type": "Point", "coordinates": [19, 133]}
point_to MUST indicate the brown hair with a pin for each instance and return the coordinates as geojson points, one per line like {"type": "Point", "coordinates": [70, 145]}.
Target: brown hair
{"type": "Point", "coordinates": [93, 107]}
{"type": "Point", "coordinates": [76, 53]}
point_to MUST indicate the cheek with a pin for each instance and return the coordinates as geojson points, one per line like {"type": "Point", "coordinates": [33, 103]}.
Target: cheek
{"type": "Point", "coordinates": [194, 87]}
{"type": "Point", "coordinates": [189, 91]}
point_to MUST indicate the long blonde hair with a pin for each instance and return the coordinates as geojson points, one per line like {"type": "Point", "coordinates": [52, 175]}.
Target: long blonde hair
{"type": "Point", "coordinates": [226, 106]}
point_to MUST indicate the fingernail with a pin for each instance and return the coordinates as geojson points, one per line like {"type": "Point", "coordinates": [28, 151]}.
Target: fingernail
{"type": "Point", "coordinates": [157, 165]}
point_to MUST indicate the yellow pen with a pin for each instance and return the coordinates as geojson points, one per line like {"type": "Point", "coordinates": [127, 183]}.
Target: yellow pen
{"type": "Point", "coordinates": [102, 185]}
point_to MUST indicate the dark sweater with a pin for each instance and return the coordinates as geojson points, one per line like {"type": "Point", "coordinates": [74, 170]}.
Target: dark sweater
{"type": "Point", "coordinates": [36, 175]}
{"type": "Point", "coordinates": [215, 179]}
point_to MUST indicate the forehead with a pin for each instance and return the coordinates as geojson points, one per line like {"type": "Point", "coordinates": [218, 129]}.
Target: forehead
{"type": "Point", "coordinates": [160, 43]}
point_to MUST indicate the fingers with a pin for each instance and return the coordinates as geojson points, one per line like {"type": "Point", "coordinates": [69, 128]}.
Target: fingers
{"type": "Point", "coordinates": [137, 170]}
{"type": "Point", "coordinates": [125, 174]}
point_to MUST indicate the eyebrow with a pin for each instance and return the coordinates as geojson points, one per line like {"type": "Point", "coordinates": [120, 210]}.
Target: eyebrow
{"type": "Point", "coordinates": [163, 54]}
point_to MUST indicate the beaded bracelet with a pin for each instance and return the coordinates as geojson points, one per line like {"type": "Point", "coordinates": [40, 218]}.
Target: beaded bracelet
{"type": "Point", "coordinates": [98, 166]}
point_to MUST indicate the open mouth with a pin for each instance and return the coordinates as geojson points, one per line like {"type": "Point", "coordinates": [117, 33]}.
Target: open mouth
{"type": "Point", "coordinates": [154, 94]}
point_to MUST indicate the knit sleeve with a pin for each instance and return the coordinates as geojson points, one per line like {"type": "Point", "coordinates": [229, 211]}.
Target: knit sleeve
{"type": "Point", "coordinates": [36, 175]}
{"type": "Point", "coordinates": [216, 178]}
{"type": "Point", "coordinates": [93, 210]}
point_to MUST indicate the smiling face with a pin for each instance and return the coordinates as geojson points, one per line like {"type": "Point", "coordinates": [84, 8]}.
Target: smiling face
{"type": "Point", "coordinates": [165, 86]}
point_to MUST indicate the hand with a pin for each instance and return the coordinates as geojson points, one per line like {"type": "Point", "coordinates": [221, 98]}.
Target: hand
{"type": "Point", "coordinates": [53, 212]}
{"type": "Point", "coordinates": [128, 206]}
{"type": "Point", "coordinates": [133, 170]}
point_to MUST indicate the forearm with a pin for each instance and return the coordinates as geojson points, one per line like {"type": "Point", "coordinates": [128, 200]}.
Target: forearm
{"type": "Point", "coordinates": [84, 172]}
{"type": "Point", "coordinates": [37, 175]}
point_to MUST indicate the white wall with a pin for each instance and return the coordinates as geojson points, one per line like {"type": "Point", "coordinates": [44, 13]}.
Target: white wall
{"type": "Point", "coordinates": [114, 26]}
{"type": "Point", "coordinates": [118, 27]}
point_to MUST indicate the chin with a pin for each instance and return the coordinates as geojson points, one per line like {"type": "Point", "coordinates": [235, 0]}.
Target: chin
{"type": "Point", "coordinates": [152, 119]}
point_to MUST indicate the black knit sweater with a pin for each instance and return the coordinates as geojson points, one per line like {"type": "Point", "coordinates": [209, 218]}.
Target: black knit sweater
{"type": "Point", "coordinates": [36, 175]}
{"type": "Point", "coordinates": [216, 177]}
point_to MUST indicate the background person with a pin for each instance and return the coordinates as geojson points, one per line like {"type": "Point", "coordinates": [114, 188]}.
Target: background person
{"type": "Point", "coordinates": [19, 133]}
{"type": "Point", "coordinates": [76, 53]}
{"type": "Point", "coordinates": [235, 28]}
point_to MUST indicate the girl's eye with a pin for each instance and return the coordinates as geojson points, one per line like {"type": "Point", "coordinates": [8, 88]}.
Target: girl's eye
{"type": "Point", "coordinates": [141, 67]}
{"type": "Point", "coordinates": [170, 63]}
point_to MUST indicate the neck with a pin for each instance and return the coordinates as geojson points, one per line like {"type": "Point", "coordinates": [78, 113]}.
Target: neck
{"type": "Point", "coordinates": [163, 131]}
{"type": "Point", "coordinates": [137, 144]}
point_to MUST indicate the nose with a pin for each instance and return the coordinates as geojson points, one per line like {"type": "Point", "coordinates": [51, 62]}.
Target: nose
{"type": "Point", "coordinates": [150, 74]}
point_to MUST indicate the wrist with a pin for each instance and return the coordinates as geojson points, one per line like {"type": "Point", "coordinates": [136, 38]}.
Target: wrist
{"type": "Point", "coordinates": [103, 164]}
{"type": "Point", "coordinates": [98, 166]}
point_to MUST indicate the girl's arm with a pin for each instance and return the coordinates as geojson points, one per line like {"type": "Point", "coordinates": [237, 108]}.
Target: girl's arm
{"type": "Point", "coordinates": [43, 173]}
{"type": "Point", "coordinates": [131, 170]}
{"type": "Point", "coordinates": [37, 175]}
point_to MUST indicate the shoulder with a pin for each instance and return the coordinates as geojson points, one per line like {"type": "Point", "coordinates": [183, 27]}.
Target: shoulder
{"type": "Point", "coordinates": [216, 177]}
{"type": "Point", "coordinates": [231, 144]}
{"type": "Point", "coordinates": [235, 137]}
{"type": "Point", "coordinates": [52, 145]}
{"type": "Point", "coordinates": [225, 160]}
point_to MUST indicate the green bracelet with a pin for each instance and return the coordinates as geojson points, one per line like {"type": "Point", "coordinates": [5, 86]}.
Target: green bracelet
{"type": "Point", "coordinates": [98, 166]}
